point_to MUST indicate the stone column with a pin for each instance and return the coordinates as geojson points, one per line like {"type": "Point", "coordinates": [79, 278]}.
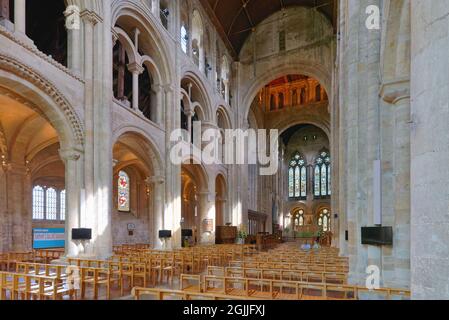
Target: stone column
{"type": "Point", "coordinates": [172, 213]}
{"type": "Point", "coordinates": [158, 209]}
{"type": "Point", "coordinates": [73, 26]}
{"type": "Point", "coordinates": [73, 185]}
{"type": "Point", "coordinates": [157, 111]}
{"type": "Point", "coordinates": [20, 16]}
{"type": "Point", "coordinates": [136, 70]}
{"type": "Point", "coordinates": [207, 213]}
{"type": "Point", "coordinates": [397, 93]}
{"type": "Point", "coordinates": [429, 149]}
{"type": "Point", "coordinates": [16, 207]}
{"type": "Point", "coordinates": [4, 15]}
{"type": "Point", "coordinates": [360, 54]}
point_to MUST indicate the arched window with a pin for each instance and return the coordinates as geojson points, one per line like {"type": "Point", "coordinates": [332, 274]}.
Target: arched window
{"type": "Point", "coordinates": [281, 100]}
{"type": "Point", "coordinates": [225, 78]}
{"type": "Point", "coordinates": [184, 38]}
{"type": "Point", "coordinates": [62, 205]}
{"type": "Point", "coordinates": [51, 204]}
{"type": "Point", "coordinates": [184, 120]}
{"type": "Point", "coordinates": [318, 93]}
{"type": "Point", "coordinates": [295, 97]}
{"type": "Point", "coordinates": [299, 218]}
{"type": "Point", "coordinates": [123, 197]}
{"type": "Point", "coordinates": [272, 103]}
{"type": "Point", "coordinates": [297, 177]}
{"type": "Point", "coordinates": [324, 220]}
{"type": "Point", "coordinates": [164, 13]}
{"type": "Point", "coordinates": [322, 175]}
{"type": "Point", "coordinates": [48, 203]}
{"type": "Point", "coordinates": [302, 96]}
{"type": "Point", "coordinates": [198, 40]}
{"type": "Point", "coordinates": [38, 203]}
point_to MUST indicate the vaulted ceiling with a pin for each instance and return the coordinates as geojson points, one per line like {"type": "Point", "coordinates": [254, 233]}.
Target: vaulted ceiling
{"type": "Point", "coordinates": [236, 18]}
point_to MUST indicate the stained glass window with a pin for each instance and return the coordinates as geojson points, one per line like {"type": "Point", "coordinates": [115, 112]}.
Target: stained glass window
{"type": "Point", "coordinates": [123, 192]}
{"type": "Point", "coordinates": [300, 218]}
{"type": "Point", "coordinates": [324, 220]}
{"type": "Point", "coordinates": [322, 175]}
{"type": "Point", "coordinates": [38, 203]}
{"type": "Point", "coordinates": [62, 205]}
{"type": "Point", "coordinates": [51, 204]}
{"type": "Point", "coordinates": [297, 177]}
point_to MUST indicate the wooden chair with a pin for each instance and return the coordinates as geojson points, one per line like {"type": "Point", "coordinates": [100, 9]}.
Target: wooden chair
{"type": "Point", "coordinates": [190, 282]}
{"type": "Point", "coordinates": [214, 284]}
{"type": "Point", "coordinates": [97, 278]}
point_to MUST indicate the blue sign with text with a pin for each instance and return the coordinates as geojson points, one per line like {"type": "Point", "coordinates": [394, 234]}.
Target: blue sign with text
{"type": "Point", "coordinates": [48, 238]}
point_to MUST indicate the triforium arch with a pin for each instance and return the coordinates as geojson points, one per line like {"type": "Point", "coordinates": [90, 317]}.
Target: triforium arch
{"type": "Point", "coordinates": [150, 37]}
{"type": "Point", "coordinates": [198, 93]}
{"type": "Point", "coordinates": [298, 67]}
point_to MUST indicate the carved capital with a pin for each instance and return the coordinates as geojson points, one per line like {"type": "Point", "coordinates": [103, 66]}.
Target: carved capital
{"type": "Point", "coordinates": [70, 155]}
{"type": "Point", "coordinates": [72, 18]}
{"type": "Point", "coordinates": [135, 68]}
{"type": "Point", "coordinates": [396, 90]}
{"type": "Point", "coordinates": [155, 180]}
{"type": "Point", "coordinates": [90, 17]}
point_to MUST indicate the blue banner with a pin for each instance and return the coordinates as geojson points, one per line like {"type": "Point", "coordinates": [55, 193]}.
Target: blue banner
{"type": "Point", "coordinates": [48, 238]}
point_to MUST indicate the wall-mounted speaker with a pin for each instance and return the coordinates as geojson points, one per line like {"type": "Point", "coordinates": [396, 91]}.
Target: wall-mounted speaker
{"type": "Point", "coordinates": [81, 234]}
{"type": "Point", "coordinates": [187, 233]}
{"type": "Point", "coordinates": [164, 234]}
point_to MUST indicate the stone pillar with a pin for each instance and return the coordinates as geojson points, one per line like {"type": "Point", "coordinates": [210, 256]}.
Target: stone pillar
{"type": "Point", "coordinates": [359, 50]}
{"type": "Point", "coordinates": [429, 149]}
{"type": "Point", "coordinates": [17, 208]}
{"type": "Point", "coordinates": [207, 213]}
{"type": "Point", "coordinates": [397, 94]}
{"type": "Point", "coordinates": [73, 184]}
{"type": "Point", "coordinates": [136, 70]}
{"type": "Point", "coordinates": [4, 15]}
{"type": "Point", "coordinates": [98, 145]}
{"type": "Point", "coordinates": [20, 16]}
{"type": "Point", "coordinates": [172, 213]}
{"type": "Point", "coordinates": [73, 26]}
{"type": "Point", "coordinates": [158, 209]}
{"type": "Point", "coordinates": [157, 111]}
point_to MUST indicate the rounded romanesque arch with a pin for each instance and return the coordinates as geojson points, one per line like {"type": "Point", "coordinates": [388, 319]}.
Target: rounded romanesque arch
{"type": "Point", "coordinates": [151, 38]}
{"type": "Point", "coordinates": [25, 85]}
{"type": "Point", "coordinates": [306, 68]}
{"type": "Point", "coordinates": [199, 93]}
{"type": "Point", "coordinates": [151, 152]}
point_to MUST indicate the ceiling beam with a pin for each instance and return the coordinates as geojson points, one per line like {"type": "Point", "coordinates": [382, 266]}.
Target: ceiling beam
{"type": "Point", "coordinates": [211, 12]}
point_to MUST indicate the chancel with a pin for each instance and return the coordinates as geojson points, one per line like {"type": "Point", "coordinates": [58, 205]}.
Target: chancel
{"type": "Point", "coordinates": [96, 202]}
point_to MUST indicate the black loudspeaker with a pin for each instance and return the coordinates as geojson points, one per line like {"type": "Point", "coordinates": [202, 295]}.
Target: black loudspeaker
{"type": "Point", "coordinates": [187, 232]}
{"type": "Point", "coordinates": [81, 234]}
{"type": "Point", "coordinates": [347, 235]}
{"type": "Point", "coordinates": [164, 234]}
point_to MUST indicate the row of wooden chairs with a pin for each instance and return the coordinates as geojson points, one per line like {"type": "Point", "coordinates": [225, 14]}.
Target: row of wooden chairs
{"type": "Point", "coordinates": [8, 261]}
{"type": "Point", "coordinates": [77, 278]}
{"type": "Point", "coordinates": [167, 294]}
{"type": "Point", "coordinates": [290, 266]}
{"type": "Point", "coordinates": [269, 289]}
{"type": "Point", "coordinates": [30, 286]}
{"type": "Point", "coordinates": [155, 271]}
{"type": "Point", "coordinates": [280, 274]}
